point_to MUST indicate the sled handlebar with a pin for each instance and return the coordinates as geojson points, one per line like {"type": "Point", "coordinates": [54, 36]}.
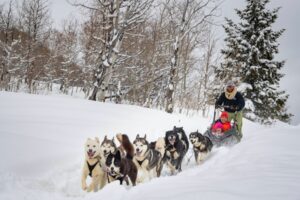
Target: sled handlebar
{"type": "Point", "coordinates": [225, 106]}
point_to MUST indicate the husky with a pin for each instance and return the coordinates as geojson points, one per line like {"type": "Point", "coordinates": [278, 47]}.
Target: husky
{"type": "Point", "coordinates": [93, 167]}
{"type": "Point", "coordinates": [182, 136]}
{"type": "Point", "coordinates": [107, 147]}
{"type": "Point", "coordinates": [121, 167]}
{"type": "Point", "coordinates": [147, 159]}
{"type": "Point", "coordinates": [201, 146]}
{"type": "Point", "coordinates": [159, 145]}
{"type": "Point", "coordinates": [176, 148]}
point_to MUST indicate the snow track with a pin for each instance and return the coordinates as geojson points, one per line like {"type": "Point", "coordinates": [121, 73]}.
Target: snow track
{"type": "Point", "coordinates": [42, 141]}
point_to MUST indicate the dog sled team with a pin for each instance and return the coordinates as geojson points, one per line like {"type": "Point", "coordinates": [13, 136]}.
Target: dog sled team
{"type": "Point", "coordinates": [139, 161]}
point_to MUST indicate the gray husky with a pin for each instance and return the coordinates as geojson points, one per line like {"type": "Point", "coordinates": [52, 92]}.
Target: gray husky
{"type": "Point", "coordinates": [147, 159]}
{"type": "Point", "coordinates": [201, 146]}
{"type": "Point", "coordinates": [107, 147]}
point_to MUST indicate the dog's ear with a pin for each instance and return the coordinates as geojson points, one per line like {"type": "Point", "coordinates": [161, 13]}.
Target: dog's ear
{"type": "Point", "coordinates": [97, 140]}
{"type": "Point", "coordinates": [137, 136]}
{"type": "Point", "coordinates": [118, 155]}
{"type": "Point", "coordinates": [113, 139]}
{"type": "Point", "coordinates": [174, 127]}
{"type": "Point", "coordinates": [145, 136]}
{"type": "Point", "coordinates": [105, 137]}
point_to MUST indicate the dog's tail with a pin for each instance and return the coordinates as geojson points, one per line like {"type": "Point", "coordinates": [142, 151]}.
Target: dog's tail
{"type": "Point", "coordinates": [126, 145]}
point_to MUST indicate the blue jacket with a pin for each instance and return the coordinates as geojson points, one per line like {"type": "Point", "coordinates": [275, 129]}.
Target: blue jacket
{"type": "Point", "coordinates": [235, 104]}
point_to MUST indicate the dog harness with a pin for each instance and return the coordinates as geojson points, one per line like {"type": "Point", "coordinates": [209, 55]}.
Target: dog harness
{"type": "Point", "coordinates": [198, 148]}
{"type": "Point", "coordinates": [172, 151]}
{"type": "Point", "coordinates": [140, 162]}
{"type": "Point", "coordinates": [146, 156]}
{"type": "Point", "coordinates": [91, 167]}
{"type": "Point", "coordinates": [119, 177]}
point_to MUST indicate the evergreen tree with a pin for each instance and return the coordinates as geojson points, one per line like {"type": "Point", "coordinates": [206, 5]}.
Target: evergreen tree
{"type": "Point", "coordinates": [249, 60]}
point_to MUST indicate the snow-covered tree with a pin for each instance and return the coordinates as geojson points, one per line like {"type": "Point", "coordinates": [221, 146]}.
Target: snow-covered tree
{"type": "Point", "coordinates": [249, 60]}
{"type": "Point", "coordinates": [63, 62]}
{"type": "Point", "coordinates": [10, 48]}
{"type": "Point", "coordinates": [115, 18]}
{"type": "Point", "coordinates": [6, 24]}
{"type": "Point", "coordinates": [185, 17]}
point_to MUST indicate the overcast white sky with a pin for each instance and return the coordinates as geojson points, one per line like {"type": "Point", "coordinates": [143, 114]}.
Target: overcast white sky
{"type": "Point", "coordinates": [289, 48]}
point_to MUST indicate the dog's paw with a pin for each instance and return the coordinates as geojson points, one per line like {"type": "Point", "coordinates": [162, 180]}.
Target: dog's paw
{"type": "Point", "coordinates": [140, 179]}
{"type": "Point", "coordinates": [84, 187]}
{"type": "Point", "coordinates": [90, 188]}
{"type": "Point", "coordinates": [178, 168]}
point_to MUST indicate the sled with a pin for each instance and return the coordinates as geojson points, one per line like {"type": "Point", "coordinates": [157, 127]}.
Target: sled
{"type": "Point", "coordinates": [229, 138]}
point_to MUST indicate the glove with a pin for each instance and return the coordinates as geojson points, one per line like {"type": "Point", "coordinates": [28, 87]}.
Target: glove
{"type": "Point", "coordinates": [235, 108]}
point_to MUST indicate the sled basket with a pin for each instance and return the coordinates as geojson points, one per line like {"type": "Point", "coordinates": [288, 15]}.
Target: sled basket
{"type": "Point", "coordinates": [229, 137]}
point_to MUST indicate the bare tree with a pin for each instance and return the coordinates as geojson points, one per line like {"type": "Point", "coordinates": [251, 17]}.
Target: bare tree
{"type": "Point", "coordinates": [10, 43]}
{"type": "Point", "coordinates": [185, 17]}
{"type": "Point", "coordinates": [63, 63]}
{"type": "Point", "coordinates": [117, 17]}
{"type": "Point", "coordinates": [6, 24]}
{"type": "Point", "coordinates": [209, 62]}
{"type": "Point", "coordinates": [35, 22]}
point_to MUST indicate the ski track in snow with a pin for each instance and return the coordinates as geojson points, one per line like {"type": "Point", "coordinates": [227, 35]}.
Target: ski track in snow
{"type": "Point", "coordinates": [42, 141]}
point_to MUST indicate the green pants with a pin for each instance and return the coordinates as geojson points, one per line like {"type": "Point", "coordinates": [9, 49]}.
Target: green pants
{"type": "Point", "coordinates": [238, 117]}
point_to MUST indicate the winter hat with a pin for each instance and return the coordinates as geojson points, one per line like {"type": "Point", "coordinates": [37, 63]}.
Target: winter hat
{"type": "Point", "coordinates": [230, 83]}
{"type": "Point", "coordinates": [224, 114]}
{"type": "Point", "coordinates": [217, 125]}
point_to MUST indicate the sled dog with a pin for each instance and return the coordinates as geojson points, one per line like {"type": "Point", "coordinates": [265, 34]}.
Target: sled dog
{"type": "Point", "coordinates": [92, 166]}
{"type": "Point", "coordinates": [176, 147]}
{"type": "Point", "coordinates": [107, 147]}
{"type": "Point", "coordinates": [159, 145]}
{"type": "Point", "coordinates": [201, 146]}
{"type": "Point", "coordinates": [147, 159]}
{"type": "Point", "coordinates": [122, 167]}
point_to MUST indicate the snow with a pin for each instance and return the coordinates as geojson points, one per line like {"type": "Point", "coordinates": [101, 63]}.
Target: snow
{"type": "Point", "coordinates": [249, 105]}
{"type": "Point", "coordinates": [42, 141]}
{"type": "Point", "coordinates": [244, 86]}
{"type": "Point", "coordinates": [105, 63]}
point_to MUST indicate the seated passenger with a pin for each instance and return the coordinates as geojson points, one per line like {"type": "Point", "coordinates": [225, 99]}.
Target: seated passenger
{"type": "Point", "coordinates": [224, 120]}
{"type": "Point", "coordinates": [217, 129]}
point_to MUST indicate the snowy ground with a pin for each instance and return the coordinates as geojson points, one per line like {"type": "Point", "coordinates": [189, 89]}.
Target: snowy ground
{"type": "Point", "coordinates": [42, 141]}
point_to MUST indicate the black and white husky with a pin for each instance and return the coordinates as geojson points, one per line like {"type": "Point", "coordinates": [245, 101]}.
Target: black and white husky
{"type": "Point", "coordinates": [107, 147]}
{"type": "Point", "coordinates": [121, 167]}
{"type": "Point", "coordinates": [177, 145]}
{"type": "Point", "coordinates": [201, 146]}
{"type": "Point", "coordinates": [147, 159]}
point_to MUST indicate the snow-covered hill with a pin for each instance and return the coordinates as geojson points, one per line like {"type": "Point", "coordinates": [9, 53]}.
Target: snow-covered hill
{"type": "Point", "coordinates": [42, 141]}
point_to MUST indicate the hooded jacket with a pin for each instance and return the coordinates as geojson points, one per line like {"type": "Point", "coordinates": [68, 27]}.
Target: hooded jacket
{"type": "Point", "coordinates": [235, 103]}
